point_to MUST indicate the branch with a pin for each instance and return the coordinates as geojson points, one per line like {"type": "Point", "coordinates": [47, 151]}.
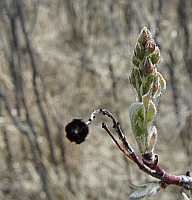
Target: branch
{"type": "Point", "coordinates": [35, 75]}
{"type": "Point", "coordinates": [149, 85]}
{"type": "Point", "coordinates": [25, 130]}
{"type": "Point", "coordinates": [151, 168]}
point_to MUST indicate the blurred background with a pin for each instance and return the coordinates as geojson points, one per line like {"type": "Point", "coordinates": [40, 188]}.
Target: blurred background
{"type": "Point", "coordinates": [62, 59]}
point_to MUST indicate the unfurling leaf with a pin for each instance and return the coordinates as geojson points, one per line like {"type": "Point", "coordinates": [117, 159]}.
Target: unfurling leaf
{"type": "Point", "coordinates": [159, 85]}
{"type": "Point", "coordinates": [156, 88]}
{"type": "Point", "coordinates": [155, 56]}
{"type": "Point", "coordinates": [145, 190]}
{"type": "Point", "coordinates": [161, 81]}
{"type": "Point", "coordinates": [148, 68]}
{"type": "Point", "coordinates": [135, 61]}
{"type": "Point", "coordinates": [145, 100]}
{"type": "Point", "coordinates": [151, 112]}
{"type": "Point", "coordinates": [150, 47]}
{"type": "Point", "coordinates": [135, 78]}
{"type": "Point", "coordinates": [139, 128]}
{"type": "Point", "coordinates": [152, 138]}
{"type": "Point", "coordinates": [139, 51]}
{"type": "Point", "coordinates": [144, 36]}
{"type": "Point", "coordinates": [147, 82]}
{"type": "Point", "coordinates": [136, 114]}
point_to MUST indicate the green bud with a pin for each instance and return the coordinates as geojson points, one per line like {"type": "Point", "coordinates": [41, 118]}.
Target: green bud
{"type": "Point", "coordinates": [135, 61]}
{"type": "Point", "coordinates": [139, 52]}
{"type": "Point", "coordinates": [148, 67]}
{"type": "Point", "coordinates": [147, 82]}
{"type": "Point", "coordinates": [155, 56]}
{"type": "Point", "coordinates": [135, 78]}
{"type": "Point", "coordinates": [144, 36]}
{"type": "Point", "coordinates": [150, 47]}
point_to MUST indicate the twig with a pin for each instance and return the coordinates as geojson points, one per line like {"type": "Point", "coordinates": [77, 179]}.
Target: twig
{"type": "Point", "coordinates": [151, 168]}
{"type": "Point", "coordinates": [104, 126]}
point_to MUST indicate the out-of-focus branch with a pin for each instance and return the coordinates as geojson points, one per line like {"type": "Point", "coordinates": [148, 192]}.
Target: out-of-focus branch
{"type": "Point", "coordinates": [158, 19]}
{"type": "Point", "coordinates": [14, 62]}
{"type": "Point", "coordinates": [25, 130]}
{"type": "Point", "coordinates": [186, 137]}
{"type": "Point", "coordinates": [76, 35]}
{"type": "Point", "coordinates": [173, 82]}
{"type": "Point", "coordinates": [35, 76]}
{"type": "Point", "coordinates": [184, 25]}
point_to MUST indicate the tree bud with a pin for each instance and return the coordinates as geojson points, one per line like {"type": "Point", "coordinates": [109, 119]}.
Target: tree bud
{"type": "Point", "coordinates": [150, 46]}
{"type": "Point", "coordinates": [155, 56]}
{"type": "Point", "coordinates": [148, 67]}
{"type": "Point", "coordinates": [139, 52]}
{"type": "Point", "coordinates": [135, 61]}
{"type": "Point", "coordinates": [135, 78]}
{"type": "Point", "coordinates": [144, 36]}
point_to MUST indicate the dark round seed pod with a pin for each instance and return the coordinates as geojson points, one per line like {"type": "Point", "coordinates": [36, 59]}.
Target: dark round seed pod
{"type": "Point", "coordinates": [77, 130]}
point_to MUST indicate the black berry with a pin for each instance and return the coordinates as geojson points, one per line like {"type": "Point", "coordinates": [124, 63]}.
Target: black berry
{"type": "Point", "coordinates": [77, 130]}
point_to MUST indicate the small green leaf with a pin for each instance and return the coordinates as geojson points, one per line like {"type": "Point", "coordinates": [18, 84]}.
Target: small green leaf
{"type": "Point", "coordinates": [146, 84]}
{"type": "Point", "coordinates": [135, 78]}
{"type": "Point", "coordinates": [161, 81]}
{"type": "Point", "coordinates": [155, 56]}
{"type": "Point", "coordinates": [151, 112]}
{"type": "Point", "coordinates": [152, 138]}
{"type": "Point", "coordinates": [156, 89]}
{"type": "Point", "coordinates": [135, 61]}
{"type": "Point", "coordinates": [139, 128]}
{"type": "Point", "coordinates": [145, 100]}
{"type": "Point", "coordinates": [139, 52]}
{"type": "Point", "coordinates": [136, 114]}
